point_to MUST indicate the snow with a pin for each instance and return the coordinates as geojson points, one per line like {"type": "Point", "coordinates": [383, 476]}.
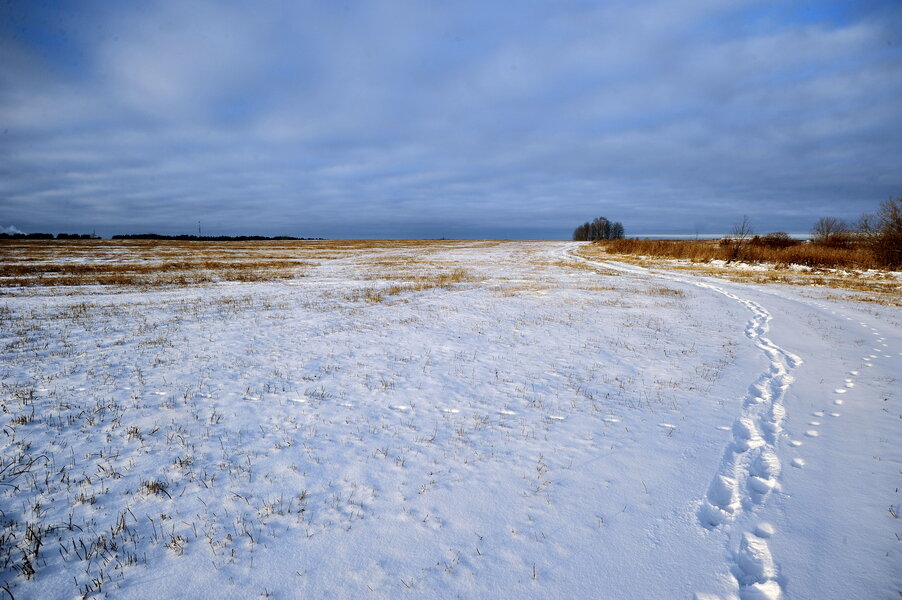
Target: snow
{"type": "Point", "coordinates": [547, 427]}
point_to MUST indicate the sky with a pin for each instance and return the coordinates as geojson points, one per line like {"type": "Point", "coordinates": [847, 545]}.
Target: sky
{"type": "Point", "coordinates": [465, 119]}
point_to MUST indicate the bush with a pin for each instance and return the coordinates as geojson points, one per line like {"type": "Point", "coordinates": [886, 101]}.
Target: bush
{"type": "Point", "coordinates": [778, 239]}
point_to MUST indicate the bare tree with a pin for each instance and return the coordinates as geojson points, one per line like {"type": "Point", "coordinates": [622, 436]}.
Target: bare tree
{"type": "Point", "coordinates": [742, 230]}
{"type": "Point", "coordinates": [883, 233]}
{"type": "Point", "coordinates": [830, 230]}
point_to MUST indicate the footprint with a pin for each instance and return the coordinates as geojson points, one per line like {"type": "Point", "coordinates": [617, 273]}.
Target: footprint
{"type": "Point", "coordinates": [775, 418]}
{"type": "Point", "coordinates": [798, 463]}
{"type": "Point", "coordinates": [722, 502]}
{"type": "Point", "coordinates": [745, 435]}
{"type": "Point", "coordinates": [838, 401]}
{"type": "Point", "coordinates": [795, 443]}
{"type": "Point", "coordinates": [760, 486]}
{"type": "Point", "coordinates": [815, 423]}
{"type": "Point", "coordinates": [767, 464]}
{"type": "Point", "coordinates": [764, 530]}
{"type": "Point", "coordinates": [812, 433]}
{"type": "Point", "coordinates": [755, 561]}
{"type": "Point", "coordinates": [834, 414]}
{"type": "Point", "coordinates": [840, 391]}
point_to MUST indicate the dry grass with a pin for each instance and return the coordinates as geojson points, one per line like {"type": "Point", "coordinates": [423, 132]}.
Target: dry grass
{"type": "Point", "coordinates": [143, 263]}
{"type": "Point", "coordinates": [872, 285]}
{"type": "Point", "coordinates": [665, 291]}
{"type": "Point", "coordinates": [166, 263]}
{"type": "Point", "coordinates": [393, 267]}
{"type": "Point", "coordinates": [417, 283]}
{"type": "Point", "coordinates": [597, 269]}
{"type": "Point", "coordinates": [852, 256]}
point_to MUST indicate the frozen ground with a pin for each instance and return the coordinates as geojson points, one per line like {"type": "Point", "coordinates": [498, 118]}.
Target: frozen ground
{"type": "Point", "coordinates": [536, 425]}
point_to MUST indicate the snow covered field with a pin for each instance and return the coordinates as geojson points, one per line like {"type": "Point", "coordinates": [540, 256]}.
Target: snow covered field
{"type": "Point", "coordinates": [451, 419]}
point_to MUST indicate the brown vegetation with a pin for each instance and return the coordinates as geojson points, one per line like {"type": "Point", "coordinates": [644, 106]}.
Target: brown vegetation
{"type": "Point", "coordinates": [417, 283]}
{"type": "Point", "coordinates": [777, 251]}
{"type": "Point", "coordinates": [875, 244]}
{"type": "Point", "coordinates": [707, 258]}
{"type": "Point", "coordinates": [167, 263]}
{"type": "Point", "coordinates": [142, 263]}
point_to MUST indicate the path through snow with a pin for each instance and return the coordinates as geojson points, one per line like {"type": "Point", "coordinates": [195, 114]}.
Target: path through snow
{"type": "Point", "coordinates": [750, 470]}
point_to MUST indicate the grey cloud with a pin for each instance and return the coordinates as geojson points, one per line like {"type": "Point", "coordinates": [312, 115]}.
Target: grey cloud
{"type": "Point", "coordinates": [477, 119]}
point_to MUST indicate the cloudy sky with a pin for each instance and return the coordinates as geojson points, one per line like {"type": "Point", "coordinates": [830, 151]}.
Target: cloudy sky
{"type": "Point", "coordinates": [459, 119]}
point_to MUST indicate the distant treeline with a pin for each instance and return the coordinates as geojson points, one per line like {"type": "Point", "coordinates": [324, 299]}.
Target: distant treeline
{"type": "Point", "coordinates": [47, 236]}
{"type": "Point", "coordinates": [599, 229]}
{"type": "Point", "coordinates": [206, 238]}
{"type": "Point", "coordinates": [150, 236]}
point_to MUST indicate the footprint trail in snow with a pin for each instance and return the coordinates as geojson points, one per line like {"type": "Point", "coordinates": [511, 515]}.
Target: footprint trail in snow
{"type": "Point", "coordinates": [750, 468]}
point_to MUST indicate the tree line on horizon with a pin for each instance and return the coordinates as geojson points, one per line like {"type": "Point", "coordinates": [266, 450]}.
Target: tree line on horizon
{"type": "Point", "coordinates": [598, 229]}
{"type": "Point", "coordinates": [47, 236]}
{"type": "Point", "coordinates": [150, 236]}
{"type": "Point", "coordinates": [207, 238]}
